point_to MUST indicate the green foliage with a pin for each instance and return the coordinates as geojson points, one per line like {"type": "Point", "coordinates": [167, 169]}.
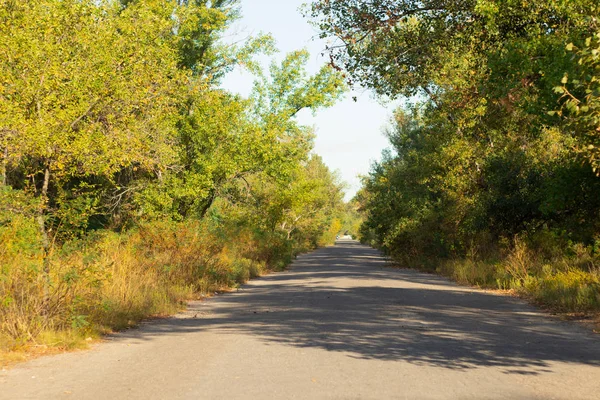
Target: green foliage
{"type": "Point", "coordinates": [111, 120]}
{"type": "Point", "coordinates": [581, 92]}
{"type": "Point", "coordinates": [403, 47]}
{"type": "Point", "coordinates": [499, 150]}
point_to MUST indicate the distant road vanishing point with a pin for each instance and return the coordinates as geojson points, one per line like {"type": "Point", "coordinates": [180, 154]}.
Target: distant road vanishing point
{"type": "Point", "coordinates": [337, 325]}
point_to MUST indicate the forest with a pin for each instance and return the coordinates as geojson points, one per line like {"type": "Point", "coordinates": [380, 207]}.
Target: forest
{"type": "Point", "coordinates": [130, 182]}
{"type": "Point", "coordinates": [492, 176]}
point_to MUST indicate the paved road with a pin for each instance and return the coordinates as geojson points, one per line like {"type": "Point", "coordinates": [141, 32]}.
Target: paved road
{"type": "Point", "coordinates": [338, 325]}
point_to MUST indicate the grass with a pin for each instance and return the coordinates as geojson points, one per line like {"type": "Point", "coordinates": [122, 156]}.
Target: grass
{"type": "Point", "coordinates": [108, 282]}
{"type": "Point", "coordinates": [46, 343]}
{"type": "Point", "coordinates": [562, 280]}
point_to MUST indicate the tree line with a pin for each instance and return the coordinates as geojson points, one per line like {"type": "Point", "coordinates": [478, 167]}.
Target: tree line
{"type": "Point", "coordinates": [129, 180]}
{"type": "Point", "coordinates": [492, 175]}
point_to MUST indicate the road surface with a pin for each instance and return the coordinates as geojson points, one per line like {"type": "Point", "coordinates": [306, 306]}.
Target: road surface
{"type": "Point", "coordinates": [337, 325]}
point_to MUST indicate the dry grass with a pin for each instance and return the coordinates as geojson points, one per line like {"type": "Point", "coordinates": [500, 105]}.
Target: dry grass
{"type": "Point", "coordinates": [565, 282]}
{"type": "Point", "coordinates": [108, 282]}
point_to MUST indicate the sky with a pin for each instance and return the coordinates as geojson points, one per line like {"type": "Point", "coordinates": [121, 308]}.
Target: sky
{"type": "Point", "coordinates": [349, 135]}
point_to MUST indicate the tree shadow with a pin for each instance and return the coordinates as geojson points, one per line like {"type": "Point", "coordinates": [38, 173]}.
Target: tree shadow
{"type": "Point", "coordinates": [353, 305]}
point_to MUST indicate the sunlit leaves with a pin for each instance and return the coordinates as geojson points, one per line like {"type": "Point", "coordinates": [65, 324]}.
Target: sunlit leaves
{"type": "Point", "coordinates": [486, 148]}
{"type": "Point", "coordinates": [581, 96]}
{"type": "Point", "coordinates": [116, 106]}
{"type": "Point", "coordinates": [88, 90]}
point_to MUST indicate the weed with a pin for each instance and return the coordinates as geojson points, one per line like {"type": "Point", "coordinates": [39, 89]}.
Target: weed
{"type": "Point", "coordinates": [109, 281]}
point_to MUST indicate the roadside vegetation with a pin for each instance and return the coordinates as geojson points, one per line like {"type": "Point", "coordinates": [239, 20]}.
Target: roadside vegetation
{"type": "Point", "coordinates": [129, 181]}
{"type": "Point", "coordinates": [493, 173]}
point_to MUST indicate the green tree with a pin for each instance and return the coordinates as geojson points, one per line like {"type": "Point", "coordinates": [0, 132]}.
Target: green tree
{"type": "Point", "coordinates": [580, 91]}
{"type": "Point", "coordinates": [224, 139]}
{"type": "Point", "coordinates": [86, 90]}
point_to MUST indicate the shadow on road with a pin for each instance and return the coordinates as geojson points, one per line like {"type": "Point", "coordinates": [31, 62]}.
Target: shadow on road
{"type": "Point", "coordinates": [342, 299]}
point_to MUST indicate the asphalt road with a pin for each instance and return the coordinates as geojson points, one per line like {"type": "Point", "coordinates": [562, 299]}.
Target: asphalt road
{"type": "Point", "coordinates": [338, 325]}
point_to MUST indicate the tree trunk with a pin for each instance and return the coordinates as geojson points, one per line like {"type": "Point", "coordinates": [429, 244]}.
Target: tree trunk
{"type": "Point", "coordinates": [4, 167]}
{"type": "Point", "coordinates": [208, 204]}
{"type": "Point", "coordinates": [41, 221]}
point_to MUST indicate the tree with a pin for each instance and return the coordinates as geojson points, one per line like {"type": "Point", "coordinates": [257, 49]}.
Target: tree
{"type": "Point", "coordinates": [580, 92]}
{"type": "Point", "coordinates": [224, 139]}
{"type": "Point", "coordinates": [483, 150]}
{"type": "Point", "coordinates": [400, 47]}
{"type": "Point", "coordinates": [112, 121]}
{"type": "Point", "coordinates": [86, 91]}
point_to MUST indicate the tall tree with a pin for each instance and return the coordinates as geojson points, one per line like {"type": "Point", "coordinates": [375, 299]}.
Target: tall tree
{"type": "Point", "coordinates": [224, 139]}
{"type": "Point", "coordinates": [86, 90]}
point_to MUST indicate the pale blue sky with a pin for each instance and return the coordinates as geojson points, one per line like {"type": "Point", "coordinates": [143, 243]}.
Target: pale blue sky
{"type": "Point", "coordinates": [348, 135]}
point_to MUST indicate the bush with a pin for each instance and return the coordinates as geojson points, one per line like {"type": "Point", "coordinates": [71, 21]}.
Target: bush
{"type": "Point", "coordinates": [566, 280]}
{"type": "Point", "coordinates": [109, 281]}
{"type": "Point", "coordinates": [570, 291]}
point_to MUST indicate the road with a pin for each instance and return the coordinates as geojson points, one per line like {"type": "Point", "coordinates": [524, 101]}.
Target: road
{"type": "Point", "coordinates": [337, 325]}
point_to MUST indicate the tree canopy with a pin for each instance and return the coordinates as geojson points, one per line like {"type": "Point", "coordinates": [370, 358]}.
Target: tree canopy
{"type": "Point", "coordinates": [112, 118]}
{"type": "Point", "coordinates": [498, 138]}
